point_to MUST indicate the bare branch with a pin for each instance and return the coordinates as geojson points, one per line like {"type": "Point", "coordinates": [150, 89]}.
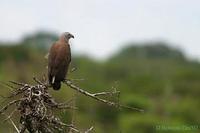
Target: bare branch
{"type": "Point", "coordinates": [36, 106]}
{"type": "Point", "coordinates": [11, 114]}
{"type": "Point", "coordinates": [17, 83]}
{"type": "Point", "coordinates": [117, 105]}
{"type": "Point", "coordinates": [9, 104]}
{"type": "Point", "coordinates": [8, 86]}
{"type": "Point", "coordinates": [106, 93]}
{"type": "Point", "coordinates": [37, 81]}
{"type": "Point", "coordinates": [90, 129]}
{"type": "Point", "coordinates": [12, 123]}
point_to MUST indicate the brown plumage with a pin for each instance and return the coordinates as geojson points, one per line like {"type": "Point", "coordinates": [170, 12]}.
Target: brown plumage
{"type": "Point", "coordinates": [58, 60]}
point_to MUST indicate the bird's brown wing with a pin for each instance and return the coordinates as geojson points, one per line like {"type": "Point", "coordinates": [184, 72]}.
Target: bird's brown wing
{"type": "Point", "coordinates": [63, 59]}
{"type": "Point", "coordinates": [59, 60]}
{"type": "Point", "coordinates": [51, 58]}
{"type": "Point", "coordinates": [68, 57]}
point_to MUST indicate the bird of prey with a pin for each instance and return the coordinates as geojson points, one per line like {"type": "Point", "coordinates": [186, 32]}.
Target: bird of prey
{"type": "Point", "coordinates": [59, 59]}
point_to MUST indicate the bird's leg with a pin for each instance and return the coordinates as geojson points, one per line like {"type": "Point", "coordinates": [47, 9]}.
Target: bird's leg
{"type": "Point", "coordinates": [53, 79]}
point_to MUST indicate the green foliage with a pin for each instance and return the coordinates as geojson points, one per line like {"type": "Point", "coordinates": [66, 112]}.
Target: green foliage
{"type": "Point", "coordinates": [150, 50]}
{"type": "Point", "coordinates": [39, 41]}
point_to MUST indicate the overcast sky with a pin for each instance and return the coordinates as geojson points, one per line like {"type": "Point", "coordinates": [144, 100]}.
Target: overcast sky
{"type": "Point", "coordinates": [102, 26]}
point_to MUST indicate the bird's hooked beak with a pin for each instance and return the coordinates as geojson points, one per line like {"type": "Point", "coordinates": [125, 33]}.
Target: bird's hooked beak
{"type": "Point", "coordinates": [72, 36]}
{"type": "Point", "coordinates": [67, 36]}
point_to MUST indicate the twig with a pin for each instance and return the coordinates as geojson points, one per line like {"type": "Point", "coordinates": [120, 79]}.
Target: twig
{"type": "Point", "coordinates": [90, 129]}
{"type": "Point", "coordinates": [73, 111]}
{"type": "Point", "coordinates": [37, 81]}
{"type": "Point", "coordinates": [9, 104]}
{"type": "Point", "coordinates": [73, 69]}
{"type": "Point", "coordinates": [71, 85]}
{"type": "Point", "coordinates": [12, 123]}
{"type": "Point", "coordinates": [17, 92]}
{"type": "Point", "coordinates": [36, 106]}
{"type": "Point", "coordinates": [8, 85]}
{"type": "Point", "coordinates": [105, 93]}
{"type": "Point", "coordinates": [17, 83]}
{"type": "Point", "coordinates": [81, 79]}
{"type": "Point", "coordinates": [11, 114]}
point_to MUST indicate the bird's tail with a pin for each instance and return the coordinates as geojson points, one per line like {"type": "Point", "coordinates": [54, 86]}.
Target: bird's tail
{"type": "Point", "coordinates": [56, 85]}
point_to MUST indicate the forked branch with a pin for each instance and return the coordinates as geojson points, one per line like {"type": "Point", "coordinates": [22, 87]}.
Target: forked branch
{"type": "Point", "coordinates": [95, 96]}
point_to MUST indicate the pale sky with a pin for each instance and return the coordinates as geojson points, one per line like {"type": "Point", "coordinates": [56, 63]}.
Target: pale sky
{"type": "Point", "coordinates": [101, 27]}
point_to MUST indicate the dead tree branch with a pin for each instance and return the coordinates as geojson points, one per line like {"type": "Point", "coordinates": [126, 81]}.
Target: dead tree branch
{"type": "Point", "coordinates": [95, 96]}
{"type": "Point", "coordinates": [36, 106]}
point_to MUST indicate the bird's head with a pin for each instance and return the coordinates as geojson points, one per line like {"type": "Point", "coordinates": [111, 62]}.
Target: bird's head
{"type": "Point", "coordinates": [67, 36]}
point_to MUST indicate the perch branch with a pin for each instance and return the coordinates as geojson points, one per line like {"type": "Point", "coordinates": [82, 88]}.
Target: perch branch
{"type": "Point", "coordinates": [35, 107]}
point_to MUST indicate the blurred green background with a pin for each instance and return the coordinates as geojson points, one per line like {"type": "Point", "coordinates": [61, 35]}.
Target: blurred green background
{"type": "Point", "coordinates": [150, 75]}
